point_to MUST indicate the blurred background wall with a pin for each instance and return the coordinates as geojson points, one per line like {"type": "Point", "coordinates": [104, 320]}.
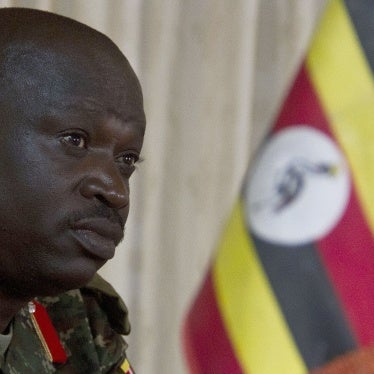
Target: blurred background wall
{"type": "Point", "coordinates": [213, 74]}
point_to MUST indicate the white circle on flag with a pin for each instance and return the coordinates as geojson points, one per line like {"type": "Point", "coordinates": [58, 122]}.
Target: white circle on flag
{"type": "Point", "coordinates": [299, 187]}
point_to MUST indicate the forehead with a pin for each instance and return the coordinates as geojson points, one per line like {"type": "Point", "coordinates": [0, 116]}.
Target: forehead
{"type": "Point", "coordinates": [46, 78]}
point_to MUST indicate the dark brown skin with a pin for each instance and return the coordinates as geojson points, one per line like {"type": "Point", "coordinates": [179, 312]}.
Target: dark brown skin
{"type": "Point", "coordinates": [71, 130]}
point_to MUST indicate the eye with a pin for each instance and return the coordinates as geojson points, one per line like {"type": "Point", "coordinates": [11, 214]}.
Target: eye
{"type": "Point", "coordinates": [128, 159]}
{"type": "Point", "coordinates": [127, 162]}
{"type": "Point", "coordinates": [75, 139]}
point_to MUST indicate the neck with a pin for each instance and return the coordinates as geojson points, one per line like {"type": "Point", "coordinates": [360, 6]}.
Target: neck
{"type": "Point", "coordinates": [9, 307]}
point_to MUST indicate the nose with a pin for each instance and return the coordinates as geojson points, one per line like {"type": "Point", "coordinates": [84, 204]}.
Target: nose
{"type": "Point", "coordinates": [106, 184]}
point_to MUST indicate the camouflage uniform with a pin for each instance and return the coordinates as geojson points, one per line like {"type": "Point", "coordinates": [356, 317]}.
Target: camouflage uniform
{"type": "Point", "coordinates": [89, 323]}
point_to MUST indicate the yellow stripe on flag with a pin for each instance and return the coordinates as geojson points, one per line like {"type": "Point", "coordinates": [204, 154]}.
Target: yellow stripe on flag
{"type": "Point", "coordinates": [342, 79]}
{"type": "Point", "coordinates": [249, 310]}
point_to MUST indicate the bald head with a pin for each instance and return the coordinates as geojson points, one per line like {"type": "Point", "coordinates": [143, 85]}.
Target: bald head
{"type": "Point", "coordinates": [24, 23]}
{"type": "Point", "coordinates": [35, 29]}
{"type": "Point", "coordinates": [51, 57]}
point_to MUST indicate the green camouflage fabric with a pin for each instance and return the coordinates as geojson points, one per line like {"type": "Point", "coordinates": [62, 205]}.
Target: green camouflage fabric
{"type": "Point", "coordinates": [90, 323]}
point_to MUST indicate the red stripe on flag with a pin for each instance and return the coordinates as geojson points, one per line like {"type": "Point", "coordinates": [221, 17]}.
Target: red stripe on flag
{"type": "Point", "coordinates": [350, 267]}
{"type": "Point", "coordinates": [206, 343]}
{"type": "Point", "coordinates": [302, 107]}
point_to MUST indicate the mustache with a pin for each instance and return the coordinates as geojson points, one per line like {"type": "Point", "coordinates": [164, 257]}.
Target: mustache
{"type": "Point", "coordinates": [100, 211]}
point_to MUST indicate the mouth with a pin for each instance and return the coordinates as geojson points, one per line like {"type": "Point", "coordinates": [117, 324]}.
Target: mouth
{"type": "Point", "coordinates": [97, 236]}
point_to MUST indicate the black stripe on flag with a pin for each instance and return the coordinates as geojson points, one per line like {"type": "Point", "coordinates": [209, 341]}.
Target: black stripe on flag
{"type": "Point", "coordinates": [307, 301]}
{"type": "Point", "coordinates": [362, 16]}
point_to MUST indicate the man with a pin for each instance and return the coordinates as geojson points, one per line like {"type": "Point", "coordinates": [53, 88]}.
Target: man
{"type": "Point", "coordinates": [71, 131]}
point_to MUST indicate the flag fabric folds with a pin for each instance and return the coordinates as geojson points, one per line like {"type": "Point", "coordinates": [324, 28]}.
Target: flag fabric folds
{"type": "Point", "coordinates": [291, 287]}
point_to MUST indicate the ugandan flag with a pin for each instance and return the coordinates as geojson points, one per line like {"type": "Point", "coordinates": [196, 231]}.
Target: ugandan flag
{"type": "Point", "coordinates": [291, 288]}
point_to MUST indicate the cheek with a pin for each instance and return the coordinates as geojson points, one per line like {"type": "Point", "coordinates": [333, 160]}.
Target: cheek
{"type": "Point", "coordinates": [31, 196]}
{"type": "Point", "coordinates": [33, 173]}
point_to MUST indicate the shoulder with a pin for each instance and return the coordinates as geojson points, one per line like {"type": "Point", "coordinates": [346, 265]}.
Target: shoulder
{"type": "Point", "coordinates": [99, 294]}
{"type": "Point", "coordinates": [96, 315]}
{"type": "Point", "coordinates": [89, 323]}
